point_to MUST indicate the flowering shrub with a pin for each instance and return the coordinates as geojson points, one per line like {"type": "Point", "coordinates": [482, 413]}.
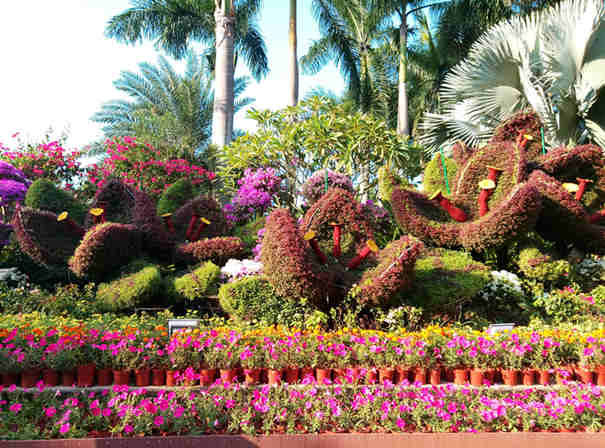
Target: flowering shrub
{"type": "Point", "coordinates": [105, 247]}
{"type": "Point", "coordinates": [254, 196]}
{"type": "Point", "coordinates": [315, 187]}
{"type": "Point", "coordinates": [139, 165]}
{"type": "Point", "coordinates": [567, 305]}
{"type": "Point", "coordinates": [175, 196]}
{"type": "Point", "coordinates": [537, 265]}
{"type": "Point", "coordinates": [49, 160]}
{"type": "Point", "coordinates": [235, 269]}
{"type": "Point", "coordinates": [218, 250]}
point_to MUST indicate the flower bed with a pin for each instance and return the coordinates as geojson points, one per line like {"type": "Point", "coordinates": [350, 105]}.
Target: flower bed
{"type": "Point", "coordinates": [348, 356]}
{"type": "Point", "coordinates": [234, 409]}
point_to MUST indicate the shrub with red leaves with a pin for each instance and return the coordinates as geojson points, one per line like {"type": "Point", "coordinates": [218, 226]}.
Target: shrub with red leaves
{"type": "Point", "coordinates": [285, 257]}
{"type": "Point", "coordinates": [105, 248]}
{"type": "Point", "coordinates": [204, 208]}
{"type": "Point", "coordinates": [217, 250]}
{"type": "Point", "coordinates": [395, 271]}
{"type": "Point", "coordinates": [42, 237]}
{"type": "Point", "coordinates": [524, 123]}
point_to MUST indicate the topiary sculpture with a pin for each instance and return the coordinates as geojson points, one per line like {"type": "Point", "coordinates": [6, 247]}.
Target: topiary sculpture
{"type": "Point", "coordinates": [105, 247]}
{"type": "Point", "coordinates": [332, 253]}
{"type": "Point", "coordinates": [42, 237]}
{"type": "Point", "coordinates": [175, 196]}
{"type": "Point", "coordinates": [199, 283]}
{"type": "Point", "coordinates": [133, 289]}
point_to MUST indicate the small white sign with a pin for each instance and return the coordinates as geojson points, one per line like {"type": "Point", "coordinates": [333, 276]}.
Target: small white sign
{"type": "Point", "coordinates": [498, 328]}
{"type": "Point", "coordinates": [178, 324]}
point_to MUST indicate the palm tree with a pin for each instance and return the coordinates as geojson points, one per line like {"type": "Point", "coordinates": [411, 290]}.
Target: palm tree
{"type": "Point", "coordinates": [293, 55]}
{"type": "Point", "coordinates": [350, 30]}
{"type": "Point", "coordinates": [549, 61]}
{"type": "Point", "coordinates": [229, 25]}
{"type": "Point", "coordinates": [170, 111]}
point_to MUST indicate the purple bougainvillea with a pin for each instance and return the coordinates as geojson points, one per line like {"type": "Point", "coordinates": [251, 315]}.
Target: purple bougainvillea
{"type": "Point", "coordinates": [254, 196]}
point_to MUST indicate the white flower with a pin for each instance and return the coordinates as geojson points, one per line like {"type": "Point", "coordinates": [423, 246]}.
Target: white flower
{"type": "Point", "coordinates": [241, 268]}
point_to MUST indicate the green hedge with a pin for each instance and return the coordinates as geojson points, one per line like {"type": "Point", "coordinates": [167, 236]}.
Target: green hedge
{"type": "Point", "coordinates": [129, 291]}
{"type": "Point", "coordinates": [45, 195]}
{"type": "Point", "coordinates": [197, 284]}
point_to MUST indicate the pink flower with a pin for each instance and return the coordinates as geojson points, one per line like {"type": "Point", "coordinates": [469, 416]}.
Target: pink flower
{"type": "Point", "coordinates": [50, 411]}
{"type": "Point", "coordinates": [128, 429]}
{"type": "Point", "coordinates": [158, 421]}
{"type": "Point", "coordinates": [64, 428]}
{"type": "Point", "coordinates": [16, 407]}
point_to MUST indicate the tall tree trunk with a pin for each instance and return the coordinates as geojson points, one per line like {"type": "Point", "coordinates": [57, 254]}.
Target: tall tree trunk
{"type": "Point", "coordinates": [222, 115]}
{"type": "Point", "coordinates": [293, 56]}
{"type": "Point", "coordinates": [365, 100]}
{"type": "Point", "coordinates": [403, 127]}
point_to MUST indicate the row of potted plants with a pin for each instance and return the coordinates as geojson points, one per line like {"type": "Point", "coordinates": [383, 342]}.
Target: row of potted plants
{"type": "Point", "coordinates": [29, 352]}
{"type": "Point", "coordinates": [125, 412]}
{"type": "Point", "coordinates": [88, 375]}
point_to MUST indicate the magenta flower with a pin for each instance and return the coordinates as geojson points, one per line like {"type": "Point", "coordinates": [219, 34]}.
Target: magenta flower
{"type": "Point", "coordinates": [64, 428]}
{"type": "Point", "coordinates": [158, 421]}
{"type": "Point", "coordinates": [15, 407]}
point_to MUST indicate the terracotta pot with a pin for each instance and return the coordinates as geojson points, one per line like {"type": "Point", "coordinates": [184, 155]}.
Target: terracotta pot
{"type": "Point", "coordinates": [435, 376]}
{"type": "Point", "coordinates": [420, 375]}
{"type": "Point", "coordinates": [252, 376]}
{"type": "Point", "coordinates": [86, 375]}
{"type": "Point", "coordinates": [29, 378]}
{"type": "Point", "coordinates": [489, 375]}
{"type": "Point", "coordinates": [9, 379]}
{"type": "Point", "coordinates": [121, 377]}
{"type": "Point", "coordinates": [544, 377]}
{"type": "Point", "coordinates": [307, 372]}
{"type": "Point", "coordinates": [600, 375]}
{"type": "Point", "coordinates": [460, 376]}
{"type": "Point", "coordinates": [528, 377]}
{"type": "Point", "coordinates": [273, 377]}
{"type": "Point", "coordinates": [68, 378]}
{"type": "Point", "coordinates": [340, 375]}
{"type": "Point", "coordinates": [104, 377]}
{"type": "Point", "coordinates": [371, 375]}
{"type": "Point", "coordinates": [476, 377]}
{"type": "Point", "coordinates": [386, 373]}
{"type": "Point", "coordinates": [228, 375]}
{"type": "Point", "coordinates": [586, 376]}
{"type": "Point", "coordinates": [510, 377]}
{"type": "Point", "coordinates": [158, 377]}
{"type": "Point", "coordinates": [322, 375]}
{"type": "Point", "coordinates": [292, 375]}
{"type": "Point", "coordinates": [50, 377]}
{"type": "Point", "coordinates": [403, 374]}
{"type": "Point", "coordinates": [142, 377]}
{"type": "Point", "coordinates": [354, 374]}
{"type": "Point", "coordinates": [207, 377]}
{"type": "Point", "coordinates": [448, 374]}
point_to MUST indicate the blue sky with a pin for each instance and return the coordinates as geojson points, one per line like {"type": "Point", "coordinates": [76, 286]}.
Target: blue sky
{"type": "Point", "coordinates": [58, 67]}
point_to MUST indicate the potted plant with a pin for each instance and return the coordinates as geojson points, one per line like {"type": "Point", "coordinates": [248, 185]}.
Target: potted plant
{"type": "Point", "coordinates": [275, 360]}
{"type": "Point", "coordinates": [85, 369]}
{"type": "Point", "coordinates": [159, 362]}
{"type": "Point", "coordinates": [103, 363]}
{"type": "Point", "coordinates": [252, 360]}
{"type": "Point", "coordinates": [9, 367]}
{"type": "Point", "coordinates": [32, 365]}
{"type": "Point", "coordinates": [121, 362]}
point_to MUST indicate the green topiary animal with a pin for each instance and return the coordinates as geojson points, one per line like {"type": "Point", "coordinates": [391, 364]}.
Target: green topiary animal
{"type": "Point", "coordinates": [175, 196]}
{"type": "Point", "coordinates": [199, 283]}
{"type": "Point", "coordinates": [45, 195]}
{"type": "Point", "coordinates": [445, 278]}
{"type": "Point", "coordinates": [127, 292]}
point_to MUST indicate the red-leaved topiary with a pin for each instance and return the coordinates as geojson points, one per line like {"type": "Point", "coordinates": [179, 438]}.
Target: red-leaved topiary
{"type": "Point", "coordinates": [218, 250]}
{"type": "Point", "coordinates": [105, 249]}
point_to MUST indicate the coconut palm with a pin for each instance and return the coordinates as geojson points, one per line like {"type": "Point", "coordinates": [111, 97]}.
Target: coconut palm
{"type": "Point", "coordinates": [166, 109]}
{"type": "Point", "coordinates": [229, 25]}
{"type": "Point", "coordinates": [550, 61]}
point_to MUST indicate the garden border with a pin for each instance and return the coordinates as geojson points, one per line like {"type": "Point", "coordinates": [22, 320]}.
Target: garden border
{"type": "Point", "coordinates": [348, 440]}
